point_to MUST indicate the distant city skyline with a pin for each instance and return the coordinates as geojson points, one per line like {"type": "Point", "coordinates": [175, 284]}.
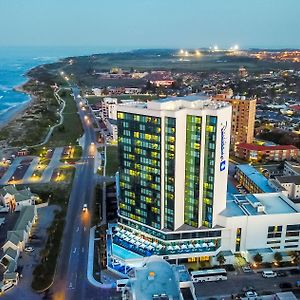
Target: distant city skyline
{"type": "Point", "coordinates": [150, 24]}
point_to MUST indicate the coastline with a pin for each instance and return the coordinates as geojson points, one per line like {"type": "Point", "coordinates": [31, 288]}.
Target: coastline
{"type": "Point", "coordinates": [18, 112]}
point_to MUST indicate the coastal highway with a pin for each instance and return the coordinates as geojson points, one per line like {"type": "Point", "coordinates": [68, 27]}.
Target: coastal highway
{"type": "Point", "coordinates": [71, 274]}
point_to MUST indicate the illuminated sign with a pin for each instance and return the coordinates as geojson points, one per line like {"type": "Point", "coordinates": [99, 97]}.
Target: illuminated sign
{"type": "Point", "coordinates": [223, 143]}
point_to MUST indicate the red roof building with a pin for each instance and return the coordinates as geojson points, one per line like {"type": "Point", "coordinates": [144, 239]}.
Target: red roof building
{"type": "Point", "coordinates": [295, 107]}
{"type": "Point", "coordinates": [252, 152]}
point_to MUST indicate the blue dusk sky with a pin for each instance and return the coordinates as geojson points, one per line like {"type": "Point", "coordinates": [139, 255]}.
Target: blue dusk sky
{"type": "Point", "coordinates": [150, 23]}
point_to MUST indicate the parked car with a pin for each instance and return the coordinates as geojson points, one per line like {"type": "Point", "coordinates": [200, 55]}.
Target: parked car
{"type": "Point", "coordinates": [28, 249]}
{"type": "Point", "coordinates": [251, 294]}
{"type": "Point", "coordinates": [269, 274]}
{"type": "Point", "coordinates": [281, 274]}
{"type": "Point", "coordinates": [285, 285]}
{"type": "Point", "coordinates": [246, 269]}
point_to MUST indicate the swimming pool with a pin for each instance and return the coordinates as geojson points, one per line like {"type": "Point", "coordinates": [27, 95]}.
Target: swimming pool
{"type": "Point", "coordinates": [124, 253]}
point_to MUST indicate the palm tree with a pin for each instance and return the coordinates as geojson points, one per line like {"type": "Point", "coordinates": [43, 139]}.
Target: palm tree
{"type": "Point", "coordinates": [295, 257]}
{"type": "Point", "coordinates": [257, 258]}
{"type": "Point", "coordinates": [278, 257]}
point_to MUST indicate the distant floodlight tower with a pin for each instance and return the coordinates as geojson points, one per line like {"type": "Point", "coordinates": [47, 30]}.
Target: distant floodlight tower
{"type": "Point", "coordinates": [181, 51]}
{"type": "Point", "coordinates": [216, 48]}
{"type": "Point", "coordinates": [236, 47]}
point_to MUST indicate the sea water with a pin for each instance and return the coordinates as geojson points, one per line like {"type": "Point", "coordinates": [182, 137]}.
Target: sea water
{"type": "Point", "coordinates": [16, 61]}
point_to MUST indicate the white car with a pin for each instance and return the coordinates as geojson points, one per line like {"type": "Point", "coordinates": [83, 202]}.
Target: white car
{"type": "Point", "coordinates": [269, 274]}
{"type": "Point", "coordinates": [84, 209]}
{"type": "Point", "coordinates": [246, 269]}
{"type": "Point", "coordinates": [251, 294]}
{"type": "Point", "coordinates": [29, 249]}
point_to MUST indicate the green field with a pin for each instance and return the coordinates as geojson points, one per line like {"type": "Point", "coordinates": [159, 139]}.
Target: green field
{"type": "Point", "coordinates": [85, 68]}
{"type": "Point", "coordinates": [71, 129]}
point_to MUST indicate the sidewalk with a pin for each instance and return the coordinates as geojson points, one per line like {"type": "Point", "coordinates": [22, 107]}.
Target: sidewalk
{"type": "Point", "coordinates": [90, 276]}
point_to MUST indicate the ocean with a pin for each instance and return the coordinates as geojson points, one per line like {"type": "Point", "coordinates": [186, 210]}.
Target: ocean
{"type": "Point", "coordinates": [16, 61]}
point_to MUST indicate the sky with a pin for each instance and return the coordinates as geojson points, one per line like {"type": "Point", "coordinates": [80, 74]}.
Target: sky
{"type": "Point", "coordinates": [150, 23]}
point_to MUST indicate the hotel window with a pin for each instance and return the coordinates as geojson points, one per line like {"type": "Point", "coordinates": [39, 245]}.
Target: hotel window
{"type": "Point", "coordinates": [275, 229]}
{"type": "Point", "coordinates": [170, 152]}
{"type": "Point", "coordinates": [209, 172]}
{"type": "Point", "coordinates": [192, 170]}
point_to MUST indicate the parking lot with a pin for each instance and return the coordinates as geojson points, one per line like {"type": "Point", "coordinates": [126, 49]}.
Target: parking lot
{"type": "Point", "coordinates": [237, 283]}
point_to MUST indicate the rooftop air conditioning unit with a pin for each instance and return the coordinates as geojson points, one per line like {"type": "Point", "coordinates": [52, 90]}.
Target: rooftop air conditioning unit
{"type": "Point", "coordinates": [260, 209]}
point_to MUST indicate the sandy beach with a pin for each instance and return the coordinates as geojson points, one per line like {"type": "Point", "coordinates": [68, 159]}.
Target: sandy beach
{"type": "Point", "coordinates": [17, 112]}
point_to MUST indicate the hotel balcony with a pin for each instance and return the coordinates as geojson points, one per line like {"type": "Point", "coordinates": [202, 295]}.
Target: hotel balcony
{"type": "Point", "coordinates": [144, 246]}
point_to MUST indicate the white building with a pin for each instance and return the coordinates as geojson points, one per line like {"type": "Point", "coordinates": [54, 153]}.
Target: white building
{"type": "Point", "coordinates": [191, 135]}
{"type": "Point", "coordinates": [13, 199]}
{"type": "Point", "coordinates": [173, 199]}
{"type": "Point", "coordinates": [132, 90]}
{"type": "Point", "coordinates": [291, 168]}
{"type": "Point", "coordinates": [260, 223]}
{"type": "Point", "coordinates": [152, 281]}
{"type": "Point", "coordinates": [15, 243]}
{"type": "Point", "coordinates": [108, 108]}
{"type": "Point", "coordinates": [291, 184]}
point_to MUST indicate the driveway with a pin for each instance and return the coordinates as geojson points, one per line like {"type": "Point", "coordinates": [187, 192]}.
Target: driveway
{"type": "Point", "coordinates": [28, 261]}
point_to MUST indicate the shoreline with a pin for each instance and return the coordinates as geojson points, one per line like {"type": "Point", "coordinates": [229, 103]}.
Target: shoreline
{"type": "Point", "coordinates": [19, 111]}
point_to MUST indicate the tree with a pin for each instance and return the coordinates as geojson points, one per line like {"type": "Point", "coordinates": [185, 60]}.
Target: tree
{"type": "Point", "coordinates": [257, 258]}
{"type": "Point", "coordinates": [278, 257]}
{"type": "Point", "coordinates": [295, 257]}
{"type": "Point", "coordinates": [221, 259]}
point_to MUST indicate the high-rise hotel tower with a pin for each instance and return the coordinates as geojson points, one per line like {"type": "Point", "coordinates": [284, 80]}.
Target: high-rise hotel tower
{"type": "Point", "coordinates": [172, 189]}
{"type": "Point", "coordinates": [173, 157]}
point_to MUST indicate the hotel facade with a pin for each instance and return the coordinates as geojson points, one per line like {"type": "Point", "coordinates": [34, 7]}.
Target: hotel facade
{"type": "Point", "coordinates": [172, 186]}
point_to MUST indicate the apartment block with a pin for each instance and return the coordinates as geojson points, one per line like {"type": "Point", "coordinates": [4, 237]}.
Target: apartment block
{"type": "Point", "coordinates": [243, 117]}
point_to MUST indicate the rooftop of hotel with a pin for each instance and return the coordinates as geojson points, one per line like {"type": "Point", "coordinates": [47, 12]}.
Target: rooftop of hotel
{"type": "Point", "coordinates": [258, 204]}
{"type": "Point", "coordinates": [289, 179]}
{"type": "Point", "coordinates": [257, 178]}
{"type": "Point", "coordinates": [196, 101]}
{"type": "Point", "coordinates": [157, 277]}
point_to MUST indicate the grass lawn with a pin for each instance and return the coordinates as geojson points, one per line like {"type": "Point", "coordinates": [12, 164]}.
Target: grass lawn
{"type": "Point", "coordinates": [76, 152]}
{"type": "Point", "coordinates": [64, 174]}
{"type": "Point", "coordinates": [71, 129]}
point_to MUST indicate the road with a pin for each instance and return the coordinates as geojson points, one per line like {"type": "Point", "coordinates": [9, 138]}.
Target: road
{"type": "Point", "coordinates": [71, 279]}
{"type": "Point", "coordinates": [237, 281]}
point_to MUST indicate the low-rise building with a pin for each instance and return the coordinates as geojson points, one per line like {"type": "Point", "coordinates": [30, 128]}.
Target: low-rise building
{"type": "Point", "coordinates": [158, 280]}
{"type": "Point", "coordinates": [13, 199]}
{"type": "Point", "coordinates": [15, 243]}
{"type": "Point", "coordinates": [132, 90]}
{"type": "Point", "coordinates": [291, 168]}
{"type": "Point", "coordinates": [256, 153]}
{"type": "Point", "coordinates": [252, 179]}
{"type": "Point", "coordinates": [291, 184]}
